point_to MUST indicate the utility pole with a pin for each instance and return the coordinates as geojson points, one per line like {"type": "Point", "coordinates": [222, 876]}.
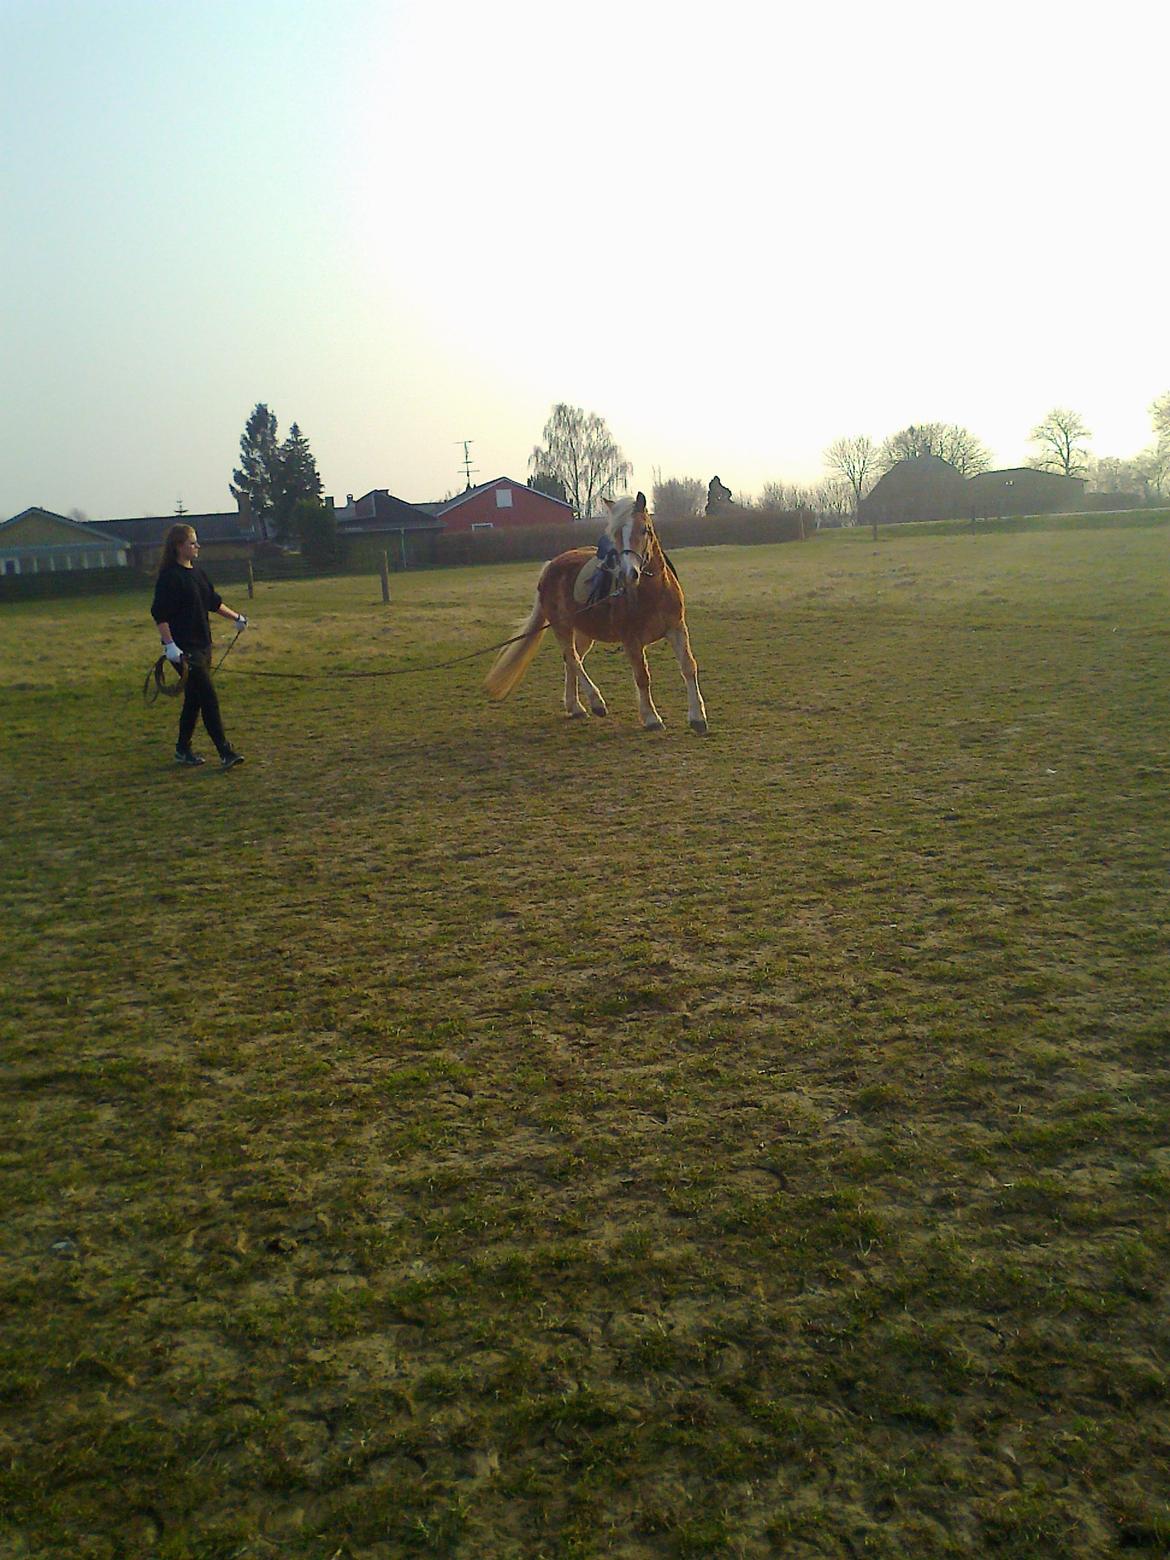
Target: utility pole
{"type": "Point", "coordinates": [180, 508]}
{"type": "Point", "coordinates": [468, 469]}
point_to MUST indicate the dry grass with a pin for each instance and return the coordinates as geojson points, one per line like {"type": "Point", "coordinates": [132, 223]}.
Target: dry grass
{"type": "Point", "coordinates": [462, 1132]}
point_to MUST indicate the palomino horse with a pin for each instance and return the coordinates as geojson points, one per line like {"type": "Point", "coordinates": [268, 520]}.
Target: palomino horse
{"type": "Point", "coordinates": [645, 605]}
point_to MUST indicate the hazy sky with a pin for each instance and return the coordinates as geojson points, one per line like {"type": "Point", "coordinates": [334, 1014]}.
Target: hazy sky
{"type": "Point", "coordinates": [735, 229]}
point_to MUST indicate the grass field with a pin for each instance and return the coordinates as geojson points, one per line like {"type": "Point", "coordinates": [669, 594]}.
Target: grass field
{"type": "Point", "coordinates": [462, 1132]}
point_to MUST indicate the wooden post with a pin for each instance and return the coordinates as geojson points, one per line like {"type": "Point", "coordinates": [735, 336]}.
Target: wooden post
{"type": "Point", "coordinates": [385, 578]}
{"type": "Point", "coordinates": [251, 581]}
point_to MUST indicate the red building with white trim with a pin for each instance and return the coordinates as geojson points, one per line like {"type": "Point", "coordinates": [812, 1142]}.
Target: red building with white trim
{"type": "Point", "coordinates": [494, 505]}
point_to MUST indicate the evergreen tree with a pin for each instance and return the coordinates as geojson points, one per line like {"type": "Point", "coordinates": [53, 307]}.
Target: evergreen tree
{"type": "Point", "coordinates": [257, 477]}
{"type": "Point", "coordinates": [315, 525]}
{"type": "Point", "coordinates": [298, 481]}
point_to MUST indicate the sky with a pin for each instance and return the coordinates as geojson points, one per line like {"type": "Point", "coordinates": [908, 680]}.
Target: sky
{"type": "Point", "coordinates": [736, 231]}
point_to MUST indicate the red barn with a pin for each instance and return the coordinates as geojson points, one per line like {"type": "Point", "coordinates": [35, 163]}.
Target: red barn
{"type": "Point", "coordinates": [493, 505]}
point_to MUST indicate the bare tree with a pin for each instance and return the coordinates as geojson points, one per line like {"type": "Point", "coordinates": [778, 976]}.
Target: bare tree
{"type": "Point", "coordinates": [1059, 437]}
{"type": "Point", "coordinates": [1152, 468]}
{"type": "Point", "coordinates": [1160, 412]}
{"type": "Point", "coordinates": [855, 461]}
{"type": "Point", "coordinates": [678, 498]}
{"type": "Point", "coordinates": [835, 500]}
{"type": "Point", "coordinates": [1109, 474]}
{"type": "Point", "coordinates": [579, 449]}
{"type": "Point", "coordinates": [966, 453]}
{"type": "Point", "coordinates": [949, 441]}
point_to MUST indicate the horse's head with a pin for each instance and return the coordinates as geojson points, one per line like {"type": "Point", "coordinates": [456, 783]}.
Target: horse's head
{"type": "Point", "coordinates": [630, 533]}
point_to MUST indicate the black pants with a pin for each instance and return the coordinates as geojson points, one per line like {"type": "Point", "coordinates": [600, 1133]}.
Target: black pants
{"type": "Point", "coordinates": [199, 698]}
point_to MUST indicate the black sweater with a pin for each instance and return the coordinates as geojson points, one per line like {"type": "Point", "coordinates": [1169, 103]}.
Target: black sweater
{"type": "Point", "coordinates": [182, 599]}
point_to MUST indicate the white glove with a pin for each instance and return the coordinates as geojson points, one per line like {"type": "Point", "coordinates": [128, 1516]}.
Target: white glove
{"type": "Point", "coordinates": [172, 652]}
{"type": "Point", "coordinates": [241, 623]}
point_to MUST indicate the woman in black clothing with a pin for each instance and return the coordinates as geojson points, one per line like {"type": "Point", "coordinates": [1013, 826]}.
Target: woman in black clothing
{"type": "Point", "coordinates": [183, 597]}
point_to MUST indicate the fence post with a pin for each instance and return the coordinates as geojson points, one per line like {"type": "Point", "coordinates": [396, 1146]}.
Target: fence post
{"type": "Point", "coordinates": [385, 578]}
{"type": "Point", "coordinates": [251, 581]}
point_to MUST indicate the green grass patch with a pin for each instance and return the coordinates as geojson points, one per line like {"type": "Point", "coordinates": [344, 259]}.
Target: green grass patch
{"type": "Point", "coordinates": [460, 1131]}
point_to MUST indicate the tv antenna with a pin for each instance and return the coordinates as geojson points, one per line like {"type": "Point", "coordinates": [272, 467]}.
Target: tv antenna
{"type": "Point", "coordinates": [468, 469]}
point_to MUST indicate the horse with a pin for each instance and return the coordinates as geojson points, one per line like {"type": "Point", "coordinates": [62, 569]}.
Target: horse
{"type": "Point", "coordinates": [644, 604]}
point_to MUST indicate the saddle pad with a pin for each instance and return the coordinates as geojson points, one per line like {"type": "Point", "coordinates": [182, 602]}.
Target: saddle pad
{"type": "Point", "coordinates": [588, 579]}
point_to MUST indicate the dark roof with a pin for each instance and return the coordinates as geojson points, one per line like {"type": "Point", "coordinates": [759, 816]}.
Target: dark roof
{"type": "Point", "coordinates": [918, 473]}
{"type": "Point", "coordinates": [151, 530]}
{"type": "Point", "coordinates": [379, 510]}
{"type": "Point", "coordinates": [1029, 473]}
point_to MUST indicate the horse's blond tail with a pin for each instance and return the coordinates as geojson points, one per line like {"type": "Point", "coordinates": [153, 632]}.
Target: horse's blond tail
{"type": "Point", "coordinates": [512, 662]}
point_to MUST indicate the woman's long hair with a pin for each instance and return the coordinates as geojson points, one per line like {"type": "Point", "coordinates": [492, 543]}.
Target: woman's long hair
{"type": "Point", "coordinates": [170, 552]}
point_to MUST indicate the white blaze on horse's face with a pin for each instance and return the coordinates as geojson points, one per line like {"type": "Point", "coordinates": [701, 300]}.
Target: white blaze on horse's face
{"type": "Point", "coordinates": [627, 529]}
{"type": "Point", "coordinates": [629, 551]}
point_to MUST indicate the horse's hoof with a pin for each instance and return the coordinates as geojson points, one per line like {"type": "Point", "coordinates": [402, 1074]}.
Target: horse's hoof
{"type": "Point", "coordinates": [655, 725]}
{"type": "Point", "coordinates": [700, 727]}
{"type": "Point", "coordinates": [575, 714]}
{"type": "Point", "coordinates": [600, 713]}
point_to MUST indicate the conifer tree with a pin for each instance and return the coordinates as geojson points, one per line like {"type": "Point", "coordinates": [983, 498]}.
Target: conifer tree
{"type": "Point", "coordinates": [299, 480]}
{"type": "Point", "coordinates": [257, 476]}
{"type": "Point", "coordinates": [272, 476]}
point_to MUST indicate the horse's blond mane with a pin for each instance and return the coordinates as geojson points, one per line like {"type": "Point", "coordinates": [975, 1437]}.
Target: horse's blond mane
{"type": "Point", "coordinates": [622, 509]}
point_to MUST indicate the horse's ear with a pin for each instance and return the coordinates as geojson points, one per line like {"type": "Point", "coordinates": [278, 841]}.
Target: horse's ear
{"type": "Point", "coordinates": [640, 504]}
{"type": "Point", "coordinates": [608, 502]}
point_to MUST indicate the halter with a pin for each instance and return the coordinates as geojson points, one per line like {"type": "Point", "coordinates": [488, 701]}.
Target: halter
{"type": "Point", "coordinates": [643, 558]}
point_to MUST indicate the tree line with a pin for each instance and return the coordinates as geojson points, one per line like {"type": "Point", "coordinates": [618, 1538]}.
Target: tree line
{"type": "Point", "coordinates": [579, 461]}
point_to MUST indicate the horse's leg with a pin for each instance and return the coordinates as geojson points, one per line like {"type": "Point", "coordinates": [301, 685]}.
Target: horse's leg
{"type": "Point", "coordinates": [680, 643]}
{"type": "Point", "coordinates": [649, 716]}
{"type": "Point", "coordinates": [583, 644]}
{"type": "Point", "coordinates": [575, 677]}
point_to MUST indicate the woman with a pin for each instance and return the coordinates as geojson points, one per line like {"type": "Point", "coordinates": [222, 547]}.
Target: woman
{"type": "Point", "coordinates": [183, 597]}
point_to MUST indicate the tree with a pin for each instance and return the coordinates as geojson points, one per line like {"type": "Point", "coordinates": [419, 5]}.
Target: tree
{"type": "Point", "coordinates": [580, 452]}
{"type": "Point", "coordinates": [718, 497]}
{"type": "Point", "coordinates": [855, 461]}
{"type": "Point", "coordinates": [948, 441]}
{"type": "Point", "coordinates": [1108, 474]}
{"type": "Point", "coordinates": [257, 477]}
{"type": "Point", "coordinates": [274, 477]}
{"type": "Point", "coordinates": [316, 527]}
{"type": "Point", "coordinates": [1160, 413]}
{"type": "Point", "coordinates": [297, 480]}
{"type": "Point", "coordinates": [552, 487]}
{"type": "Point", "coordinates": [678, 498]}
{"type": "Point", "coordinates": [1058, 437]}
{"type": "Point", "coordinates": [1152, 469]}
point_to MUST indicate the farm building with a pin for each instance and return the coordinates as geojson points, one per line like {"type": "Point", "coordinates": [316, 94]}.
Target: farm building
{"type": "Point", "coordinates": [502, 502]}
{"type": "Point", "coordinates": [406, 532]}
{"type": "Point", "coordinates": [1024, 491]}
{"type": "Point", "coordinates": [37, 541]}
{"type": "Point", "coordinates": [926, 487]}
{"type": "Point", "coordinates": [922, 487]}
{"type": "Point", "coordinates": [230, 535]}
